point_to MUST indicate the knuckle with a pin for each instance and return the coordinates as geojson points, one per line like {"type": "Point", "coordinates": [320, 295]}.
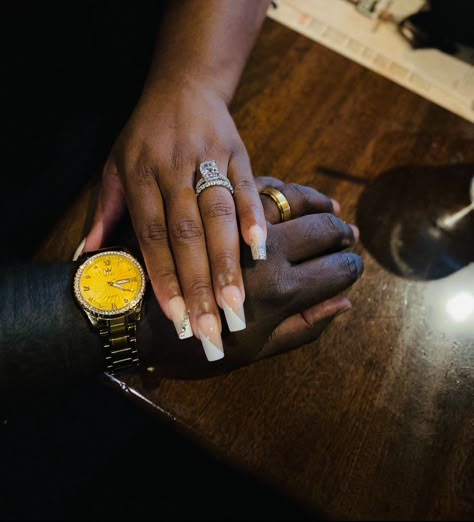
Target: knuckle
{"type": "Point", "coordinates": [166, 280]}
{"type": "Point", "coordinates": [225, 263]}
{"type": "Point", "coordinates": [186, 231]}
{"type": "Point", "coordinates": [221, 151]}
{"type": "Point", "coordinates": [333, 226]}
{"type": "Point", "coordinates": [226, 151]}
{"type": "Point", "coordinates": [178, 158]}
{"type": "Point", "coordinates": [309, 199]}
{"type": "Point", "coordinates": [240, 157]}
{"type": "Point", "coordinates": [177, 171]}
{"type": "Point", "coordinates": [284, 288]}
{"type": "Point", "coordinates": [301, 196]}
{"type": "Point", "coordinates": [176, 190]}
{"type": "Point", "coordinates": [246, 186]}
{"type": "Point", "coordinates": [238, 147]}
{"type": "Point", "coordinates": [199, 287]}
{"type": "Point", "coordinates": [153, 233]}
{"type": "Point", "coordinates": [280, 286]}
{"type": "Point", "coordinates": [220, 208]}
{"type": "Point", "coordinates": [166, 275]}
{"type": "Point", "coordinates": [144, 173]}
{"type": "Point", "coordinates": [298, 189]}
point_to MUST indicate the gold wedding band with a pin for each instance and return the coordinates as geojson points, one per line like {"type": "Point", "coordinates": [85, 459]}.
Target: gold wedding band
{"type": "Point", "coordinates": [281, 202]}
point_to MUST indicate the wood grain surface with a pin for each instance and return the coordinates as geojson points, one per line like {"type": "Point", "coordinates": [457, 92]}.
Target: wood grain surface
{"type": "Point", "coordinates": [376, 420]}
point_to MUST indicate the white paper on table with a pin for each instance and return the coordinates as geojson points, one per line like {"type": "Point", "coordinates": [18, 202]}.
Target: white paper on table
{"type": "Point", "coordinates": [439, 77]}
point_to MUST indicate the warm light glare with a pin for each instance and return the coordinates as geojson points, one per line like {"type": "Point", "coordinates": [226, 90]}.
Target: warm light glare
{"type": "Point", "coordinates": [461, 306]}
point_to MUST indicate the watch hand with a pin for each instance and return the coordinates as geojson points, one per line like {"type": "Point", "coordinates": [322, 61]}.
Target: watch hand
{"type": "Point", "coordinates": [120, 287]}
{"type": "Point", "coordinates": [121, 281]}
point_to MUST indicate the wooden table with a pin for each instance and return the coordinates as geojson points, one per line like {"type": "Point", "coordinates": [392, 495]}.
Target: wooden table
{"type": "Point", "coordinates": [376, 420]}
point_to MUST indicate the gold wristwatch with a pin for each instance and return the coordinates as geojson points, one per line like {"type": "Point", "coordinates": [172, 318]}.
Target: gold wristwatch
{"type": "Point", "coordinates": [109, 286]}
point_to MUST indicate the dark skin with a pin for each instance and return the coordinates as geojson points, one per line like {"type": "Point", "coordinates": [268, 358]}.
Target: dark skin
{"type": "Point", "coordinates": [46, 340]}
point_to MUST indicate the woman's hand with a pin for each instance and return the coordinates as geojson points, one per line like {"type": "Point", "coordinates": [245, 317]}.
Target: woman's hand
{"type": "Point", "coordinates": [190, 245]}
{"type": "Point", "coordinates": [290, 299]}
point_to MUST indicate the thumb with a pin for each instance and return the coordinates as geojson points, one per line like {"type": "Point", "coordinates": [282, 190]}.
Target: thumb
{"type": "Point", "coordinates": [110, 207]}
{"type": "Point", "coordinates": [305, 327]}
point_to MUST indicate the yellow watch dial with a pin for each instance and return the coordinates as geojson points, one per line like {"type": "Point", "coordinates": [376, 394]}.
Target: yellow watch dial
{"type": "Point", "coordinates": [109, 283]}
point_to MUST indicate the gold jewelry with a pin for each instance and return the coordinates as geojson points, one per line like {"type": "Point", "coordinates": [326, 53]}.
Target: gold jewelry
{"type": "Point", "coordinates": [109, 286]}
{"type": "Point", "coordinates": [281, 202]}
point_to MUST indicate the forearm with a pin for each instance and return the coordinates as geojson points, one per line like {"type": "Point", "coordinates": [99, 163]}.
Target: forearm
{"type": "Point", "coordinates": [43, 334]}
{"type": "Point", "coordinates": [208, 41]}
{"type": "Point", "coordinates": [45, 338]}
{"type": "Point", "coordinates": [47, 341]}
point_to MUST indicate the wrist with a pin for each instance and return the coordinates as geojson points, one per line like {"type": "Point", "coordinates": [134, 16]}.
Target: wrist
{"type": "Point", "coordinates": [170, 83]}
{"type": "Point", "coordinates": [45, 340]}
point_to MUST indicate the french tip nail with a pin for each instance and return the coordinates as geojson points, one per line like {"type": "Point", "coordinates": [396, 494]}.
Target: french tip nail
{"type": "Point", "coordinates": [233, 307]}
{"type": "Point", "coordinates": [213, 352]}
{"type": "Point", "coordinates": [210, 337]}
{"type": "Point", "coordinates": [257, 243]}
{"type": "Point", "coordinates": [259, 252]}
{"type": "Point", "coordinates": [180, 317]}
{"type": "Point", "coordinates": [79, 249]}
{"type": "Point", "coordinates": [234, 322]}
{"type": "Point", "coordinates": [183, 328]}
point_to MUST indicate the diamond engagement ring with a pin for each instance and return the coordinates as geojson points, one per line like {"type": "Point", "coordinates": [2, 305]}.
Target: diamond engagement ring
{"type": "Point", "coordinates": [212, 178]}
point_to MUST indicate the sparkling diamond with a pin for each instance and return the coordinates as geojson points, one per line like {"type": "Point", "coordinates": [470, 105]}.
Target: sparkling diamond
{"type": "Point", "coordinates": [209, 170]}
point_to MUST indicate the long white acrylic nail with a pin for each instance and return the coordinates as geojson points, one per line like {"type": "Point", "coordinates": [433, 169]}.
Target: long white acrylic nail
{"type": "Point", "coordinates": [257, 242]}
{"type": "Point", "coordinates": [210, 336]}
{"type": "Point", "coordinates": [180, 317]}
{"type": "Point", "coordinates": [233, 306]}
{"type": "Point", "coordinates": [79, 249]}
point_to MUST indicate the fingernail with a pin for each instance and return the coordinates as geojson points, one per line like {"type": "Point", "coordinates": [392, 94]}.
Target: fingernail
{"type": "Point", "coordinates": [210, 336]}
{"type": "Point", "coordinates": [79, 249]}
{"type": "Point", "coordinates": [336, 206]}
{"type": "Point", "coordinates": [355, 231]}
{"type": "Point", "coordinates": [180, 317]}
{"type": "Point", "coordinates": [345, 309]}
{"type": "Point", "coordinates": [257, 242]}
{"type": "Point", "coordinates": [233, 308]}
{"type": "Point", "coordinates": [356, 263]}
